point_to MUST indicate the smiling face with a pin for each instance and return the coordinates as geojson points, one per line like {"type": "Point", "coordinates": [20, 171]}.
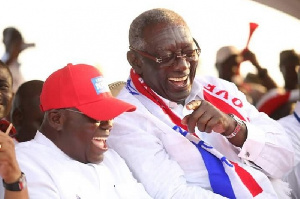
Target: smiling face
{"type": "Point", "coordinates": [6, 93]}
{"type": "Point", "coordinates": [171, 80]}
{"type": "Point", "coordinates": [83, 138]}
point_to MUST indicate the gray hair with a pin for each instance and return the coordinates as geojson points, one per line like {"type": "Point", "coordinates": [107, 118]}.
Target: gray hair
{"type": "Point", "coordinates": [154, 16]}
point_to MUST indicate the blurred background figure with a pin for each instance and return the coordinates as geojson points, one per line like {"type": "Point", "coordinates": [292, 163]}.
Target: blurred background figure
{"type": "Point", "coordinates": [14, 45]}
{"type": "Point", "coordinates": [289, 61]}
{"type": "Point", "coordinates": [26, 115]}
{"type": "Point", "coordinates": [228, 60]}
{"type": "Point", "coordinates": [291, 123]}
{"type": "Point", "coordinates": [280, 102]}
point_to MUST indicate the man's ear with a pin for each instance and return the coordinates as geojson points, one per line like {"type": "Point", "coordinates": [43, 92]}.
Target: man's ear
{"type": "Point", "coordinates": [56, 119]}
{"type": "Point", "coordinates": [134, 62]}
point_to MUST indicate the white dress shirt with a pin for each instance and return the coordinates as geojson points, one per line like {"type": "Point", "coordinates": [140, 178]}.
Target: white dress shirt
{"type": "Point", "coordinates": [170, 166]}
{"type": "Point", "coordinates": [52, 174]}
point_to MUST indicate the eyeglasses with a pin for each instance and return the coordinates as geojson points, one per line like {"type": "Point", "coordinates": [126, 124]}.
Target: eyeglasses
{"type": "Point", "coordinates": [189, 55]}
{"type": "Point", "coordinates": [75, 111]}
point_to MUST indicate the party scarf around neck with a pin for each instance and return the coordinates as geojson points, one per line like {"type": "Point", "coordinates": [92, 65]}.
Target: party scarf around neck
{"type": "Point", "coordinates": [224, 176]}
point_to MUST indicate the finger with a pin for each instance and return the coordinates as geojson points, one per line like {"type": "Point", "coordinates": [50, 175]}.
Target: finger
{"type": "Point", "coordinates": [218, 125]}
{"type": "Point", "coordinates": [185, 120]}
{"type": "Point", "coordinates": [8, 129]}
{"type": "Point", "coordinates": [192, 120]}
{"type": "Point", "coordinates": [203, 122]}
{"type": "Point", "coordinates": [191, 124]}
{"type": "Point", "coordinates": [193, 105]}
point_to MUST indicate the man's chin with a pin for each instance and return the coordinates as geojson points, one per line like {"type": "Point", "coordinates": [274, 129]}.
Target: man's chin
{"type": "Point", "coordinates": [97, 160]}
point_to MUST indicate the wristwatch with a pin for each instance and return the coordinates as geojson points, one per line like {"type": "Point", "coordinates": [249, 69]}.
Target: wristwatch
{"type": "Point", "coordinates": [19, 185]}
{"type": "Point", "coordinates": [239, 124]}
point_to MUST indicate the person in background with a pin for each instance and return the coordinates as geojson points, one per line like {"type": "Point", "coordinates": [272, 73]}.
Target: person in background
{"type": "Point", "coordinates": [9, 169]}
{"type": "Point", "coordinates": [69, 157]}
{"type": "Point", "coordinates": [280, 102]}
{"type": "Point", "coordinates": [291, 124]}
{"type": "Point", "coordinates": [228, 60]}
{"type": "Point", "coordinates": [6, 93]}
{"type": "Point", "coordinates": [14, 45]}
{"type": "Point", "coordinates": [26, 115]}
{"type": "Point", "coordinates": [192, 136]}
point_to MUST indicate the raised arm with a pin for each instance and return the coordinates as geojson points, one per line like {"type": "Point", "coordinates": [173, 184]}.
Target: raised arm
{"type": "Point", "coordinates": [262, 73]}
{"type": "Point", "coordinates": [13, 180]}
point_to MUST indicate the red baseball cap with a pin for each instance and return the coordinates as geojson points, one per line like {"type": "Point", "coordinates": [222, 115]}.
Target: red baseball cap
{"type": "Point", "coordinates": [83, 87]}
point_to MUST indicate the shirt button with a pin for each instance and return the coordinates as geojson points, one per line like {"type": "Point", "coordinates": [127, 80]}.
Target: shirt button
{"type": "Point", "coordinates": [247, 154]}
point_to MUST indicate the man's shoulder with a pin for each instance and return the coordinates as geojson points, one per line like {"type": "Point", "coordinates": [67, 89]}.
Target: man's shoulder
{"type": "Point", "coordinates": [112, 159]}
{"type": "Point", "coordinates": [208, 81]}
{"type": "Point", "coordinates": [21, 146]}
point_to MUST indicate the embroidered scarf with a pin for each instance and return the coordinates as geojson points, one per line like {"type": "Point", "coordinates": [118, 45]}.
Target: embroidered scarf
{"type": "Point", "coordinates": [226, 178]}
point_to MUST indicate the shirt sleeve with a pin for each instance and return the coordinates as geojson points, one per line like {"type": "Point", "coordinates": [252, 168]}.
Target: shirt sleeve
{"type": "Point", "coordinates": [267, 144]}
{"type": "Point", "coordinates": [39, 183]}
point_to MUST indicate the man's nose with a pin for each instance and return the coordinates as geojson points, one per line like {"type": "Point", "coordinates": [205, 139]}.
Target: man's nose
{"type": "Point", "coordinates": [181, 63]}
{"type": "Point", "coordinates": [107, 125]}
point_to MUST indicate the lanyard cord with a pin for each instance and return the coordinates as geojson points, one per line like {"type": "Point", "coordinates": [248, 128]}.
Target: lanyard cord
{"type": "Point", "coordinates": [297, 117]}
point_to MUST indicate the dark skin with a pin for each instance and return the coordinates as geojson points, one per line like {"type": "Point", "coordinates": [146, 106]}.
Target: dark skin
{"type": "Point", "coordinates": [289, 73]}
{"type": "Point", "coordinates": [229, 67]}
{"type": "Point", "coordinates": [26, 114]}
{"type": "Point", "coordinates": [27, 121]}
{"type": "Point", "coordinates": [67, 129]}
{"type": "Point", "coordinates": [157, 75]}
{"type": "Point", "coordinates": [6, 93]}
{"type": "Point", "coordinates": [265, 79]}
{"type": "Point", "coordinates": [10, 171]}
{"type": "Point", "coordinates": [9, 167]}
{"type": "Point", "coordinates": [164, 38]}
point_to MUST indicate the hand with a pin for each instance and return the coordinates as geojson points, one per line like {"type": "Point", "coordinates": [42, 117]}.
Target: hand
{"type": "Point", "coordinates": [207, 118]}
{"type": "Point", "coordinates": [9, 168]}
{"type": "Point", "coordinates": [250, 56]}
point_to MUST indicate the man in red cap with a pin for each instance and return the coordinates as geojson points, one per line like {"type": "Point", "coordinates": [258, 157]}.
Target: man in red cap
{"type": "Point", "coordinates": [69, 157]}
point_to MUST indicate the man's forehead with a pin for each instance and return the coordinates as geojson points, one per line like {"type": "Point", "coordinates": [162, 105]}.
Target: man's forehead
{"type": "Point", "coordinates": [155, 29]}
{"type": "Point", "coordinates": [5, 75]}
{"type": "Point", "coordinates": [163, 34]}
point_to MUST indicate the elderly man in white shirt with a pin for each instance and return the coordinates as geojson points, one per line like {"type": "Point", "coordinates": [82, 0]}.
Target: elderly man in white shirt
{"type": "Point", "coordinates": [192, 136]}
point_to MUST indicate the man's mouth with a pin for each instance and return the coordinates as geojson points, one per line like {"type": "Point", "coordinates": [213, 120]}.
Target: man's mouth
{"type": "Point", "coordinates": [100, 142]}
{"type": "Point", "coordinates": [179, 81]}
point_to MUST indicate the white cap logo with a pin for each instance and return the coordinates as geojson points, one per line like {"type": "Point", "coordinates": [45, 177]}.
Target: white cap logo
{"type": "Point", "coordinates": [100, 85]}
